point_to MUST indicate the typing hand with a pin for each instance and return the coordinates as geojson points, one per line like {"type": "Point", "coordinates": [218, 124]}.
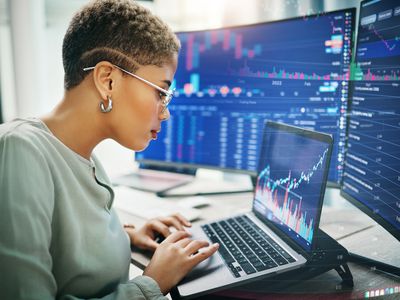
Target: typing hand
{"type": "Point", "coordinates": [155, 230]}
{"type": "Point", "coordinates": [175, 257]}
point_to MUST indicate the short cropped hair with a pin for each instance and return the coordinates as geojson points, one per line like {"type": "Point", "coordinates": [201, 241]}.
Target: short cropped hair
{"type": "Point", "coordinates": [119, 31]}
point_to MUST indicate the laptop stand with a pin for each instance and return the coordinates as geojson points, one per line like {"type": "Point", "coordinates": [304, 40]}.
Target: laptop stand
{"type": "Point", "coordinates": [329, 255]}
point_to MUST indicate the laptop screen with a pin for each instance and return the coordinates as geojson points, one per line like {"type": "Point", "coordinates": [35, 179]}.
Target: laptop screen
{"type": "Point", "coordinates": [291, 180]}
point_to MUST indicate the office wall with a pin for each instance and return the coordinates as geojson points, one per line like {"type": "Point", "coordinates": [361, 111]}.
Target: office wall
{"type": "Point", "coordinates": [6, 65]}
{"type": "Point", "coordinates": [186, 15]}
{"type": "Point", "coordinates": [1, 113]}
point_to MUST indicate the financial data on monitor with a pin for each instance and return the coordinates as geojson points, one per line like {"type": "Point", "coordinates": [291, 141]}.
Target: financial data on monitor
{"type": "Point", "coordinates": [288, 188]}
{"type": "Point", "coordinates": [229, 81]}
{"type": "Point", "coordinates": [372, 164]}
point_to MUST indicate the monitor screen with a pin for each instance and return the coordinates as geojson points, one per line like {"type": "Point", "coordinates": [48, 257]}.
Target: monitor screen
{"type": "Point", "coordinates": [372, 165]}
{"type": "Point", "coordinates": [230, 80]}
{"type": "Point", "coordinates": [289, 191]}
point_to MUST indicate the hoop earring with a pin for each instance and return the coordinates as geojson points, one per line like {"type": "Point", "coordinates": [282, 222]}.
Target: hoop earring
{"type": "Point", "coordinates": [164, 114]}
{"type": "Point", "coordinates": [109, 107]}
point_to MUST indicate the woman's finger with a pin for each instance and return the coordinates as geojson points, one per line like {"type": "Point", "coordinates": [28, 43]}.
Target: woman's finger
{"type": "Point", "coordinates": [160, 227]}
{"type": "Point", "coordinates": [150, 244]}
{"type": "Point", "coordinates": [172, 221]}
{"type": "Point", "coordinates": [182, 219]}
{"type": "Point", "coordinates": [204, 253]}
{"type": "Point", "coordinates": [183, 242]}
{"type": "Point", "coordinates": [176, 236]}
{"type": "Point", "coordinates": [195, 245]}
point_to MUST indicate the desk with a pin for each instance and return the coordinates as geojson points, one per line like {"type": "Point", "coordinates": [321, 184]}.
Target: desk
{"type": "Point", "coordinates": [340, 220]}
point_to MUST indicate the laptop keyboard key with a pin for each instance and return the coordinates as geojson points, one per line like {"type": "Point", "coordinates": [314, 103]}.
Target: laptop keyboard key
{"type": "Point", "coordinates": [259, 266]}
{"type": "Point", "coordinates": [280, 261]}
{"type": "Point", "coordinates": [287, 256]}
{"type": "Point", "coordinates": [225, 255]}
{"type": "Point", "coordinates": [234, 270]}
{"type": "Point", "coordinates": [271, 264]}
{"type": "Point", "coordinates": [248, 268]}
{"type": "Point", "coordinates": [243, 242]}
{"type": "Point", "coordinates": [222, 250]}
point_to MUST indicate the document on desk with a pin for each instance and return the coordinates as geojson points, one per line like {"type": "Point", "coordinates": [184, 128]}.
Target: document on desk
{"type": "Point", "coordinates": [147, 205]}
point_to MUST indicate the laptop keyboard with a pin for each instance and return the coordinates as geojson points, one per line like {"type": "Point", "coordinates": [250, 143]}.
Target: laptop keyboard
{"type": "Point", "coordinates": [244, 247]}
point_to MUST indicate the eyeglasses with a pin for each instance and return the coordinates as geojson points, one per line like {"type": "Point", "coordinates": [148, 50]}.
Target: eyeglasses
{"type": "Point", "coordinates": [166, 96]}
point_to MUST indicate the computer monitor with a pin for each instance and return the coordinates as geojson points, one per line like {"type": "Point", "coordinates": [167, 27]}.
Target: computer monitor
{"type": "Point", "coordinates": [230, 80]}
{"type": "Point", "coordinates": [371, 177]}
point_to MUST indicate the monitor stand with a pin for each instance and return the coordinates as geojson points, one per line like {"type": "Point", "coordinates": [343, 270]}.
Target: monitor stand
{"type": "Point", "coordinates": [367, 242]}
{"type": "Point", "coordinates": [374, 264]}
{"type": "Point", "coordinates": [206, 184]}
{"type": "Point", "coordinates": [374, 247]}
{"type": "Point", "coordinates": [167, 181]}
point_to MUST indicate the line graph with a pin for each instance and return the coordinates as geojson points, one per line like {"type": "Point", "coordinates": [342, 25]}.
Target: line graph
{"type": "Point", "coordinates": [376, 46]}
{"type": "Point", "coordinates": [280, 197]}
{"type": "Point", "coordinates": [390, 44]}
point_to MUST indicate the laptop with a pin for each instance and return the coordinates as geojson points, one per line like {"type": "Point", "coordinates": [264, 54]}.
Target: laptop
{"type": "Point", "coordinates": [278, 234]}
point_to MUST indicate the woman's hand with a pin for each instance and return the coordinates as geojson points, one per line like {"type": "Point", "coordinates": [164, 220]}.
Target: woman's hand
{"type": "Point", "coordinates": [175, 257]}
{"type": "Point", "coordinates": [144, 237]}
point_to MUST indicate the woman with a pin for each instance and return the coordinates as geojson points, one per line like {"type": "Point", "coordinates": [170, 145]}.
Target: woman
{"type": "Point", "coordinates": [59, 235]}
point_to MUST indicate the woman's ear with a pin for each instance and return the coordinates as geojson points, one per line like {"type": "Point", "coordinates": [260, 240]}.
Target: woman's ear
{"type": "Point", "coordinates": [103, 78]}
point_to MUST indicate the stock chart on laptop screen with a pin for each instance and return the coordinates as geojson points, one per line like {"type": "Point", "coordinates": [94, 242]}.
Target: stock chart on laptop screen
{"type": "Point", "coordinates": [230, 80]}
{"type": "Point", "coordinates": [289, 183]}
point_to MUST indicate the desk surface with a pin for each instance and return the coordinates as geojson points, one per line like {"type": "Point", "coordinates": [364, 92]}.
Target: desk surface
{"type": "Point", "coordinates": [349, 226]}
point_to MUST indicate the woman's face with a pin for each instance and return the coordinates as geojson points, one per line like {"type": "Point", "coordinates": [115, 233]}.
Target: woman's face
{"type": "Point", "coordinates": [137, 107]}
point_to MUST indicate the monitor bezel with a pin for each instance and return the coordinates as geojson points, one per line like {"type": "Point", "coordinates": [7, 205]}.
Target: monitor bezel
{"type": "Point", "coordinates": [161, 163]}
{"type": "Point", "coordinates": [353, 10]}
{"type": "Point", "coordinates": [364, 208]}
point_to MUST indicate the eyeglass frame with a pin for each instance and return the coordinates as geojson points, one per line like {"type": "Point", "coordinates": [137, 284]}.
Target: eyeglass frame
{"type": "Point", "coordinates": [168, 94]}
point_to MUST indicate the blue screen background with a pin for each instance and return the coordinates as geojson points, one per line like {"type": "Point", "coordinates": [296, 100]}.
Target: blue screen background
{"type": "Point", "coordinates": [229, 81]}
{"type": "Point", "coordinates": [372, 175]}
{"type": "Point", "coordinates": [291, 174]}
